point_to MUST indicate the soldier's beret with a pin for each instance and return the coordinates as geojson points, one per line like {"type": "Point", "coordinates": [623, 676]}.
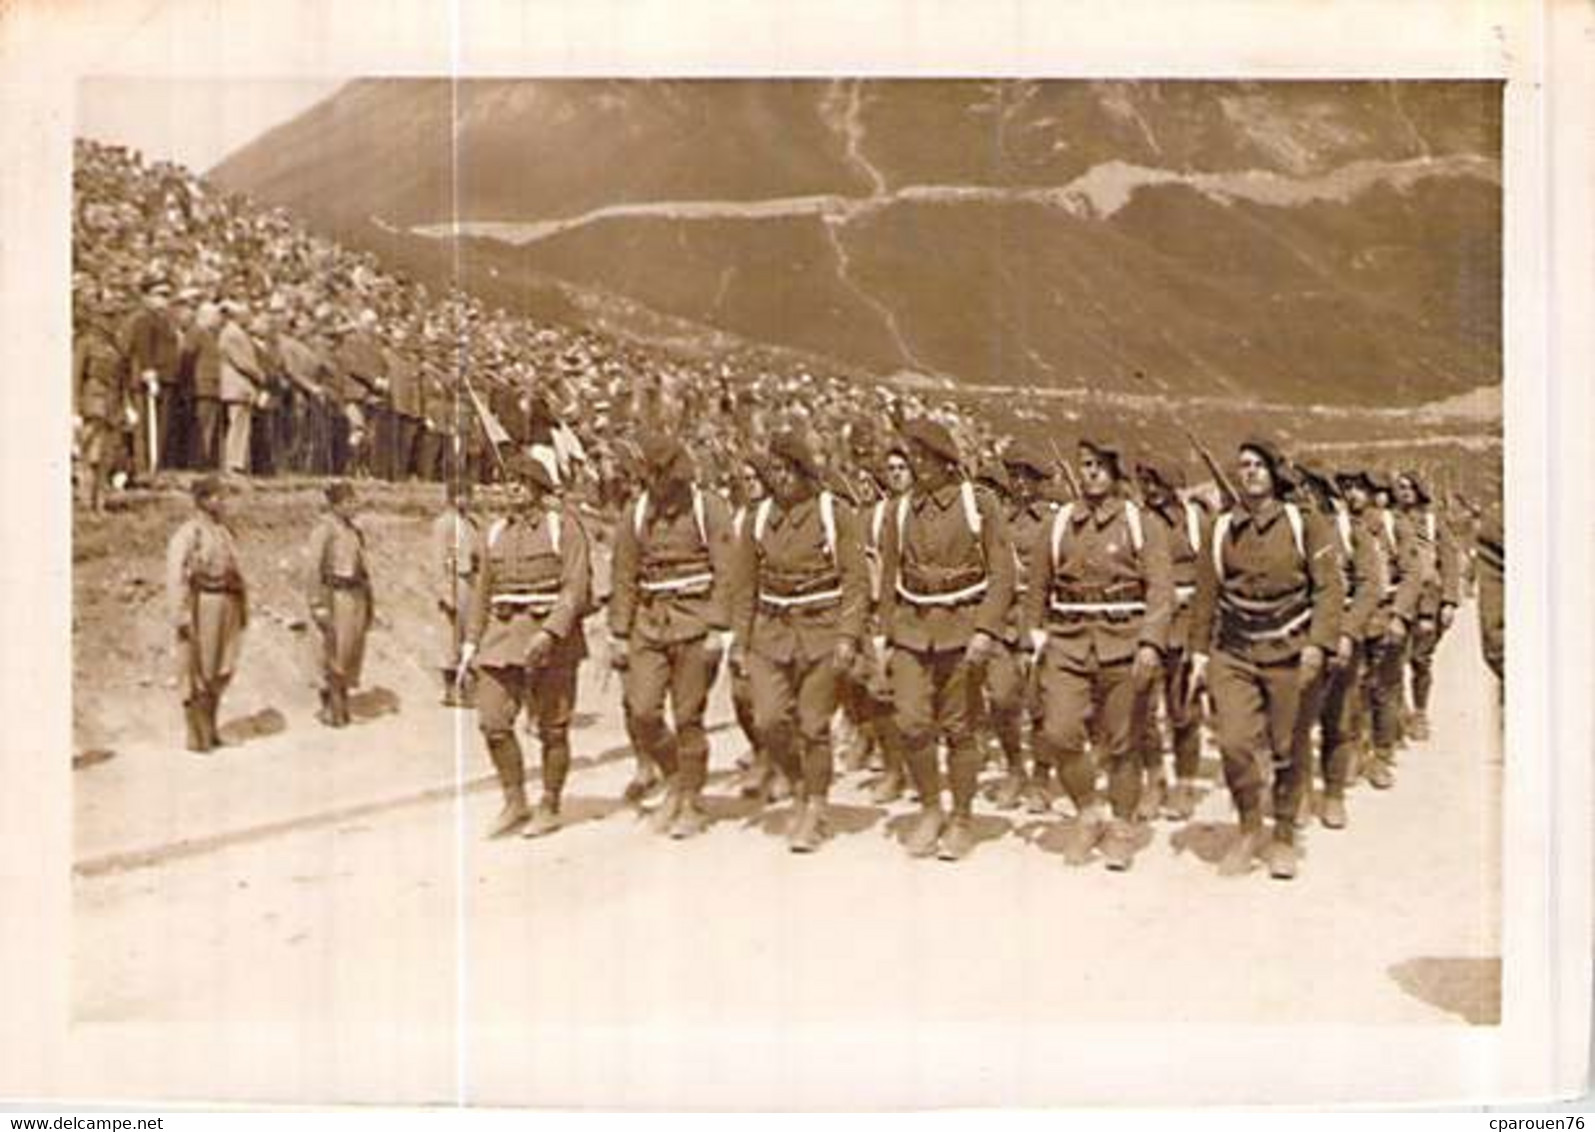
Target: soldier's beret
{"type": "Point", "coordinates": [1027, 456]}
{"type": "Point", "coordinates": [523, 467]}
{"type": "Point", "coordinates": [206, 487]}
{"type": "Point", "coordinates": [933, 437]}
{"type": "Point", "coordinates": [1311, 475]}
{"type": "Point", "coordinates": [339, 491]}
{"type": "Point", "coordinates": [1350, 477]}
{"type": "Point", "coordinates": [661, 452]}
{"type": "Point", "coordinates": [895, 445]}
{"type": "Point", "coordinates": [791, 447]}
{"type": "Point", "coordinates": [1379, 481]}
{"type": "Point", "coordinates": [995, 473]}
{"type": "Point", "coordinates": [1161, 468]}
{"type": "Point", "coordinates": [1106, 451]}
{"type": "Point", "coordinates": [1417, 485]}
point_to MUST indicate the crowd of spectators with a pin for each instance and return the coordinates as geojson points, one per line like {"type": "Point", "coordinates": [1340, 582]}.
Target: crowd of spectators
{"type": "Point", "coordinates": [215, 333]}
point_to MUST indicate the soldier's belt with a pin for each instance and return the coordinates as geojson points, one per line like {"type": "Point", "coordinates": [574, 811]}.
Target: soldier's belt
{"type": "Point", "coordinates": [216, 585]}
{"type": "Point", "coordinates": [794, 601]}
{"type": "Point", "coordinates": [339, 582]}
{"type": "Point", "coordinates": [951, 597]}
{"type": "Point", "coordinates": [691, 585]}
{"type": "Point", "coordinates": [1096, 610]}
{"type": "Point", "coordinates": [535, 600]}
{"type": "Point", "coordinates": [1276, 633]}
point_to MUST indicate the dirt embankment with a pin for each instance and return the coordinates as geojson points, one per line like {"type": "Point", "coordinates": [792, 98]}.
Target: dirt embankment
{"type": "Point", "coordinates": [124, 674]}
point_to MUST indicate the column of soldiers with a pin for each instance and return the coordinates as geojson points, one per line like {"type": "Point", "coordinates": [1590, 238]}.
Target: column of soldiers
{"type": "Point", "coordinates": [1090, 635]}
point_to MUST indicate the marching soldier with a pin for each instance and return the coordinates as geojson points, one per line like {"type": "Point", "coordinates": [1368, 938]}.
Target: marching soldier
{"type": "Point", "coordinates": [1490, 564]}
{"type": "Point", "coordinates": [97, 401]}
{"type": "Point", "coordinates": [1185, 524]}
{"type": "Point", "coordinates": [1361, 625]}
{"type": "Point", "coordinates": [525, 639]}
{"type": "Point", "coordinates": [669, 622]}
{"type": "Point", "coordinates": [1268, 610]}
{"type": "Point", "coordinates": [340, 601]}
{"type": "Point", "coordinates": [1416, 522]}
{"type": "Point", "coordinates": [205, 588]}
{"type": "Point", "coordinates": [801, 599]}
{"type": "Point", "coordinates": [763, 779]}
{"type": "Point", "coordinates": [947, 580]}
{"type": "Point", "coordinates": [1384, 682]}
{"type": "Point", "coordinates": [457, 559]}
{"type": "Point", "coordinates": [1098, 607]}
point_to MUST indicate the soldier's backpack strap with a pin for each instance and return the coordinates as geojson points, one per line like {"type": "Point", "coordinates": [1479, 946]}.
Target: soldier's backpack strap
{"type": "Point", "coordinates": [1343, 525]}
{"type": "Point", "coordinates": [554, 531]}
{"type": "Point", "coordinates": [1132, 519]}
{"type": "Point", "coordinates": [877, 523]}
{"type": "Point", "coordinates": [739, 519]}
{"type": "Point", "coordinates": [828, 522]}
{"type": "Point", "coordinates": [699, 516]}
{"type": "Point", "coordinates": [1193, 524]}
{"type": "Point", "coordinates": [495, 531]}
{"type": "Point", "coordinates": [1429, 526]}
{"type": "Point", "coordinates": [966, 492]}
{"type": "Point", "coordinates": [1220, 533]}
{"type": "Point", "coordinates": [639, 514]}
{"type": "Point", "coordinates": [1293, 517]}
{"type": "Point", "coordinates": [1297, 529]}
{"type": "Point", "coordinates": [761, 518]}
{"type": "Point", "coordinates": [1060, 524]}
{"type": "Point", "coordinates": [1389, 520]}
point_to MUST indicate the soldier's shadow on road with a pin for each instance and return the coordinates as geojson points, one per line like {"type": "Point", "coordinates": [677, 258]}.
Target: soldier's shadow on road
{"type": "Point", "coordinates": [579, 809]}
{"type": "Point", "coordinates": [373, 703]}
{"type": "Point", "coordinates": [776, 820]}
{"type": "Point", "coordinates": [1208, 840]}
{"type": "Point", "coordinates": [985, 828]}
{"type": "Point", "coordinates": [1468, 988]}
{"type": "Point", "coordinates": [257, 725]}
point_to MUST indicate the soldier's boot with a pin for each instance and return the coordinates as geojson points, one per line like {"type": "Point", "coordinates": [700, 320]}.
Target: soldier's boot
{"type": "Point", "coordinates": [1280, 853]}
{"type": "Point", "coordinates": [324, 714]}
{"type": "Point", "coordinates": [1381, 771]}
{"type": "Point", "coordinates": [198, 729]}
{"type": "Point", "coordinates": [1153, 792]}
{"type": "Point", "coordinates": [340, 704]}
{"type": "Point", "coordinates": [1180, 805]}
{"type": "Point", "coordinates": [1008, 791]}
{"type": "Point", "coordinates": [1118, 846]}
{"type": "Point", "coordinates": [213, 732]}
{"type": "Point", "coordinates": [808, 831]}
{"type": "Point", "coordinates": [1418, 727]}
{"type": "Point", "coordinates": [1333, 812]}
{"type": "Point", "coordinates": [663, 816]}
{"type": "Point", "coordinates": [754, 781]}
{"type": "Point", "coordinates": [1304, 807]}
{"type": "Point", "coordinates": [888, 788]}
{"type": "Point", "coordinates": [1037, 792]}
{"type": "Point", "coordinates": [1080, 842]}
{"type": "Point", "coordinates": [645, 781]}
{"type": "Point", "coordinates": [545, 819]}
{"type": "Point", "coordinates": [957, 838]}
{"type": "Point", "coordinates": [505, 752]}
{"type": "Point", "coordinates": [1238, 860]}
{"type": "Point", "coordinates": [691, 818]}
{"type": "Point", "coordinates": [925, 832]}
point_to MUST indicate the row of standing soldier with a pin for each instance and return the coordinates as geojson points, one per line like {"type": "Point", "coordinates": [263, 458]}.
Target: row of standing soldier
{"type": "Point", "coordinates": [936, 608]}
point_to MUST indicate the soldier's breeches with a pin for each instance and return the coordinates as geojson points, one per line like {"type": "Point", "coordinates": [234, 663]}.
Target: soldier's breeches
{"type": "Point", "coordinates": [1264, 721]}
{"type": "Point", "coordinates": [1383, 673]}
{"type": "Point", "coordinates": [742, 705]}
{"type": "Point", "coordinates": [1425, 636]}
{"type": "Point", "coordinates": [681, 673]}
{"type": "Point", "coordinates": [549, 697]}
{"type": "Point", "coordinates": [1116, 708]}
{"type": "Point", "coordinates": [792, 704]}
{"type": "Point", "coordinates": [936, 695]}
{"type": "Point", "coordinates": [1338, 724]}
{"type": "Point", "coordinates": [344, 645]}
{"type": "Point", "coordinates": [1005, 693]}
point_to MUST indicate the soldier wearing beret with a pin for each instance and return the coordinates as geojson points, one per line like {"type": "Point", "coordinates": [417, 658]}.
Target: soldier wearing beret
{"type": "Point", "coordinates": [762, 779]}
{"type": "Point", "coordinates": [1097, 609]}
{"type": "Point", "coordinates": [456, 563]}
{"type": "Point", "coordinates": [669, 622]}
{"type": "Point", "coordinates": [1419, 526]}
{"type": "Point", "coordinates": [340, 601]}
{"type": "Point", "coordinates": [801, 599]}
{"type": "Point", "coordinates": [1268, 609]}
{"type": "Point", "coordinates": [1385, 662]}
{"type": "Point", "coordinates": [1185, 526]}
{"type": "Point", "coordinates": [209, 609]}
{"type": "Point", "coordinates": [1490, 563]}
{"type": "Point", "coordinates": [947, 580]}
{"type": "Point", "coordinates": [525, 638]}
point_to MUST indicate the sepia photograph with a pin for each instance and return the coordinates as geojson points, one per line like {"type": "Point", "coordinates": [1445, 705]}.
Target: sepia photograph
{"type": "Point", "coordinates": [566, 566]}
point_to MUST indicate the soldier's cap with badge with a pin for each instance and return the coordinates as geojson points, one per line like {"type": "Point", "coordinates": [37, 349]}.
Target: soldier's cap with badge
{"type": "Point", "coordinates": [1165, 471]}
{"type": "Point", "coordinates": [1027, 457]}
{"type": "Point", "coordinates": [933, 437]}
{"type": "Point", "coordinates": [1106, 451]}
{"type": "Point", "coordinates": [1418, 485]}
{"type": "Point", "coordinates": [1269, 453]}
{"type": "Point", "coordinates": [793, 449]}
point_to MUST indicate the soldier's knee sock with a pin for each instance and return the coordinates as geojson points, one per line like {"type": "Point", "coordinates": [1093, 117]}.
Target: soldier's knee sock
{"type": "Point", "coordinates": [817, 769]}
{"type": "Point", "coordinates": [964, 760]}
{"type": "Point", "coordinates": [780, 742]}
{"type": "Point", "coordinates": [556, 764]}
{"type": "Point", "coordinates": [1010, 738]}
{"type": "Point", "coordinates": [1124, 784]}
{"type": "Point", "coordinates": [1337, 765]}
{"type": "Point", "coordinates": [1078, 776]}
{"type": "Point", "coordinates": [919, 752]}
{"type": "Point", "coordinates": [1249, 804]}
{"type": "Point", "coordinates": [891, 745]}
{"type": "Point", "coordinates": [505, 751]}
{"type": "Point", "coordinates": [692, 759]}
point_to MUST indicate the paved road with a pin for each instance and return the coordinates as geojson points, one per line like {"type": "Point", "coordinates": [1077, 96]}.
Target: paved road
{"type": "Point", "coordinates": [558, 960]}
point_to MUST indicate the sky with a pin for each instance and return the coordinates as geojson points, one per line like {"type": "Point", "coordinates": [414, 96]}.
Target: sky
{"type": "Point", "coordinates": [196, 122]}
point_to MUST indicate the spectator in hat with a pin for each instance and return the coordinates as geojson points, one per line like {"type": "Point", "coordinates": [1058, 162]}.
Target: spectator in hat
{"type": "Point", "coordinates": [241, 381]}
{"type": "Point", "coordinates": [152, 348]}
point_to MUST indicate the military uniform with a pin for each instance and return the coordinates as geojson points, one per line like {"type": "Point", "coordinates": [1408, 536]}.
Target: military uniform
{"type": "Point", "coordinates": [1490, 562]}
{"type": "Point", "coordinates": [341, 606]}
{"type": "Point", "coordinates": [1100, 589]}
{"type": "Point", "coordinates": [671, 575]}
{"type": "Point", "coordinates": [456, 562]}
{"type": "Point", "coordinates": [1385, 656]}
{"type": "Point", "coordinates": [151, 344]}
{"type": "Point", "coordinates": [1269, 587]}
{"type": "Point", "coordinates": [763, 779]}
{"type": "Point", "coordinates": [534, 579]}
{"type": "Point", "coordinates": [209, 608]}
{"type": "Point", "coordinates": [801, 589]}
{"type": "Point", "coordinates": [97, 369]}
{"type": "Point", "coordinates": [1436, 554]}
{"type": "Point", "coordinates": [947, 574]}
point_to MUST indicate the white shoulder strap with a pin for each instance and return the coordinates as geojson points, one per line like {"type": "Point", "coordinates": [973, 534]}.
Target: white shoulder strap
{"type": "Point", "coordinates": [1389, 519]}
{"type": "Point", "coordinates": [1343, 525]}
{"type": "Point", "coordinates": [494, 531]}
{"type": "Point", "coordinates": [1132, 519]}
{"type": "Point", "coordinates": [1297, 535]}
{"type": "Point", "coordinates": [554, 530]}
{"type": "Point", "coordinates": [1193, 525]}
{"type": "Point", "coordinates": [698, 515]}
{"type": "Point", "coordinates": [739, 517]}
{"type": "Point", "coordinates": [1061, 518]}
{"type": "Point", "coordinates": [877, 523]}
{"type": "Point", "coordinates": [1429, 525]}
{"type": "Point", "coordinates": [1220, 533]}
{"type": "Point", "coordinates": [639, 514]}
{"type": "Point", "coordinates": [902, 520]}
{"type": "Point", "coordinates": [828, 521]}
{"type": "Point", "coordinates": [761, 517]}
{"type": "Point", "coordinates": [971, 507]}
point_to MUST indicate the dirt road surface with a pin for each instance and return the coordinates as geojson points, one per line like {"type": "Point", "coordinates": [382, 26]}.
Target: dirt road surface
{"type": "Point", "coordinates": [317, 884]}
